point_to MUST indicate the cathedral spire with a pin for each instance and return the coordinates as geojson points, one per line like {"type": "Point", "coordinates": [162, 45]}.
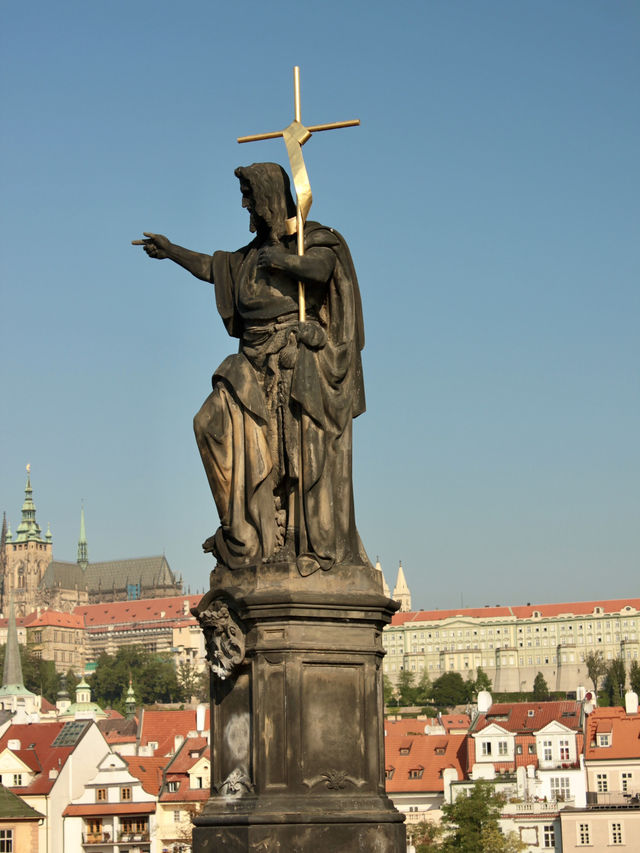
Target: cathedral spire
{"type": "Point", "coordinates": [28, 530]}
{"type": "Point", "coordinates": [12, 677]}
{"type": "Point", "coordinates": [83, 548]}
{"type": "Point", "coordinates": [401, 591]}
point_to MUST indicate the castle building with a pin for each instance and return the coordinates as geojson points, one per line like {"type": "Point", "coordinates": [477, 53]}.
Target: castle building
{"type": "Point", "coordinates": [513, 643]}
{"type": "Point", "coordinates": [31, 575]}
{"type": "Point", "coordinates": [25, 557]}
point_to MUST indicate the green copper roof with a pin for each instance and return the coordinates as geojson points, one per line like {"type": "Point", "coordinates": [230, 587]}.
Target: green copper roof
{"type": "Point", "coordinates": [28, 530]}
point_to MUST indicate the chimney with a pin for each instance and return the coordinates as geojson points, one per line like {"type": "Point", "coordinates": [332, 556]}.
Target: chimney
{"type": "Point", "coordinates": [484, 701]}
{"type": "Point", "coordinates": [631, 702]}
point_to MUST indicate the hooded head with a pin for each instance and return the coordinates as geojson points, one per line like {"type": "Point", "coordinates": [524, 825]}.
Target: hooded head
{"type": "Point", "coordinates": [271, 199]}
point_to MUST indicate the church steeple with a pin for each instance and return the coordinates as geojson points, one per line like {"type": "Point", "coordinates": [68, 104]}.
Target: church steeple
{"type": "Point", "coordinates": [13, 693]}
{"type": "Point", "coordinates": [83, 548]}
{"type": "Point", "coordinates": [28, 530]}
{"type": "Point", "coordinates": [401, 591]}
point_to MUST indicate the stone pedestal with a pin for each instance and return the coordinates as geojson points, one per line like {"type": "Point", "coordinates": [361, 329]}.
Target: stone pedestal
{"type": "Point", "coordinates": [297, 721]}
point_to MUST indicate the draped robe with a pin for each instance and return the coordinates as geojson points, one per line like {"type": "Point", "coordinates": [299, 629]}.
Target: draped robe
{"type": "Point", "coordinates": [281, 409]}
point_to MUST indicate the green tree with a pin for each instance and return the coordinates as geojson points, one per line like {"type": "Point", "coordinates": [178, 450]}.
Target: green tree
{"type": "Point", "coordinates": [540, 689]}
{"type": "Point", "coordinates": [471, 823]}
{"type": "Point", "coordinates": [406, 690]}
{"type": "Point", "coordinates": [422, 693]}
{"type": "Point", "coordinates": [634, 677]}
{"type": "Point", "coordinates": [614, 681]}
{"type": "Point", "coordinates": [483, 682]}
{"type": "Point", "coordinates": [426, 836]}
{"type": "Point", "coordinates": [388, 689]}
{"type": "Point", "coordinates": [153, 677]}
{"type": "Point", "coordinates": [192, 685]}
{"type": "Point", "coordinates": [449, 690]}
{"type": "Point", "coordinates": [596, 667]}
{"type": "Point", "coordinates": [39, 675]}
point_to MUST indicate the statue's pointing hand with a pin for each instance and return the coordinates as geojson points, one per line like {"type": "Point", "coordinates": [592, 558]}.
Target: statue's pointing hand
{"type": "Point", "coordinates": [156, 245]}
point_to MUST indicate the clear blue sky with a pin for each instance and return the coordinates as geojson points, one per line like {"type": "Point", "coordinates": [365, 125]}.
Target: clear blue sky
{"type": "Point", "coordinates": [491, 201]}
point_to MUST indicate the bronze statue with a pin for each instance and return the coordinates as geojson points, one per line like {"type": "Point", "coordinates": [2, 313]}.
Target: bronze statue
{"type": "Point", "coordinates": [275, 433]}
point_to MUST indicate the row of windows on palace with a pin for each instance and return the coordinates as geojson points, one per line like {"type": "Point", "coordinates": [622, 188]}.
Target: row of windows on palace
{"type": "Point", "coordinates": [397, 634]}
{"type": "Point", "coordinates": [523, 660]}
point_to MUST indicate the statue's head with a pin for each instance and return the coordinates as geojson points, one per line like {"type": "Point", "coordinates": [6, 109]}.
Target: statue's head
{"type": "Point", "coordinates": [267, 194]}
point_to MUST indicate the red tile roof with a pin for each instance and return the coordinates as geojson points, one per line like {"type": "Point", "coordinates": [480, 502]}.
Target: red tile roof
{"type": "Point", "coordinates": [624, 739]}
{"type": "Point", "coordinates": [579, 608]}
{"type": "Point", "coordinates": [162, 727]}
{"type": "Point", "coordinates": [90, 809]}
{"type": "Point", "coordinates": [38, 752]}
{"type": "Point", "coordinates": [154, 611]}
{"type": "Point", "coordinates": [529, 716]}
{"type": "Point", "coordinates": [148, 770]}
{"type": "Point", "coordinates": [54, 617]}
{"type": "Point", "coordinates": [430, 753]}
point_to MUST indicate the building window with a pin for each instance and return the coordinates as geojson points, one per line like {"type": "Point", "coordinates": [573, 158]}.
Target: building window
{"type": "Point", "coordinates": [388, 774]}
{"type": "Point", "coordinates": [548, 835]}
{"type": "Point", "coordinates": [177, 815]}
{"type": "Point", "coordinates": [547, 752]}
{"type": "Point", "coordinates": [584, 836]}
{"type": "Point", "coordinates": [616, 833]}
{"type": "Point", "coordinates": [564, 750]}
{"type": "Point", "coordinates": [486, 747]}
{"type": "Point", "coordinates": [502, 747]}
{"type": "Point", "coordinates": [94, 829]}
{"type": "Point", "coordinates": [6, 841]}
{"type": "Point", "coordinates": [172, 787]}
{"type": "Point", "coordinates": [602, 783]}
{"type": "Point", "coordinates": [134, 825]}
{"type": "Point", "coordinates": [532, 749]}
{"type": "Point", "coordinates": [125, 794]}
{"type": "Point", "coordinates": [604, 740]}
{"type": "Point", "coordinates": [626, 782]}
{"type": "Point", "coordinates": [17, 780]}
{"type": "Point", "coordinates": [518, 749]}
{"type": "Point", "coordinates": [101, 795]}
{"type": "Point", "coordinates": [416, 774]}
{"type": "Point", "coordinates": [560, 787]}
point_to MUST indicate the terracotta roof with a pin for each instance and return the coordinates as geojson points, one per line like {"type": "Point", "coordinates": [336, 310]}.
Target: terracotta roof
{"type": "Point", "coordinates": [39, 753]}
{"type": "Point", "coordinates": [529, 716]}
{"type": "Point", "coordinates": [162, 727]}
{"type": "Point", "coordinates": [625, 734]}
{"type": "Point", "coordinates": [455, 721]}
{"type": "Point", "coordinates": [192, 750]}
{"type": "Point", "coordinates": [98, 809]}
{"type": "Point", "coordinates": [428, 753]}
{"type": "Point", "coordinates": [154, 611]}
{"type": "Point", "coordinates": [148, 770]}
{"type": "Point", "coordinates": [54, 617]}
{"type": "Point", "coordinates": [576, 608]}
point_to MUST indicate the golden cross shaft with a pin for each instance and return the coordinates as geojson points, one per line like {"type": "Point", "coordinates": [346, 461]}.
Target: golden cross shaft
{"type": "Point", "coordinates": [295, 137]}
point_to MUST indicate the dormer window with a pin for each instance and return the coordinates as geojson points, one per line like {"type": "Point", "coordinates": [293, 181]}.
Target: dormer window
{"type": "Point", "coordinates": [531, 713]}
{"type": "Point", "coordinates": [416, 773]}
{"type": "Point", "coordinates": [440, 750]}
{"type": "Point", "coordinates": [388, 773]}
{"type": "Point", "coordinates": [486, 747]}
{"type": "Point", "coordinates": [405, 750]}
{"type": "Point", "coordinates": [172, 787]}
{"type": "Point", "coordinates": [604, 739]}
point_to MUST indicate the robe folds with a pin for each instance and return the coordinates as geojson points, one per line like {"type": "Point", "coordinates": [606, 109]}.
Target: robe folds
{"type": "Point", "coordinates": [281, 410]}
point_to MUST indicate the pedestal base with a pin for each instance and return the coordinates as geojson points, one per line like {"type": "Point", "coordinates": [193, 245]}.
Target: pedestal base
{"type": "Point", "coordinates": [297, 720]}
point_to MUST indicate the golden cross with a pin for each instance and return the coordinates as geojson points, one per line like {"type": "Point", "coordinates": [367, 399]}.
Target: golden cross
{"type": "Point", "coordinates": [295, 136]}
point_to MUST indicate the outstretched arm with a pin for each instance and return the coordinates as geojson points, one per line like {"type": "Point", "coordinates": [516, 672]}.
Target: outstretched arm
{"type": "Point", "coordinates": [315, 266]}
{"type": "Point", "coordinates": [157, 246]}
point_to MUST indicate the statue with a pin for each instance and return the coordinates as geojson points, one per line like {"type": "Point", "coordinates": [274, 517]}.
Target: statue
{"type": "Point", "coordinates": [275, 434]}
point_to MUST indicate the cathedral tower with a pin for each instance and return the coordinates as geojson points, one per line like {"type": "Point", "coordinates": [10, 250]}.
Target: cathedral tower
{"type": "Point", "coordinates": [27, 556]}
